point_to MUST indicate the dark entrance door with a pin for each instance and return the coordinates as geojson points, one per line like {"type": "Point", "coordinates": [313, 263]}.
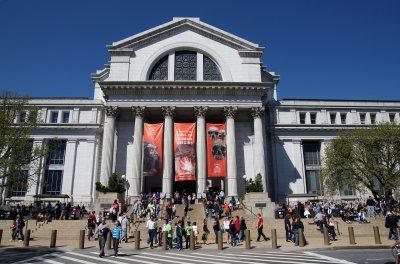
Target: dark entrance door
{"type": "Point", "coordinates": [187, 186]}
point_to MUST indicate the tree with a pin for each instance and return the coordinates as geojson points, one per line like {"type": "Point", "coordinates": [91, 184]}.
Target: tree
{"type": "Point", "coordinates": [19, 157]}
{"type": "Point", "coordinates": [365, 159]}
{"type": "Point", "coordinates": [256, 185]}
{"type": "Point", "coordinates": [113, 185]}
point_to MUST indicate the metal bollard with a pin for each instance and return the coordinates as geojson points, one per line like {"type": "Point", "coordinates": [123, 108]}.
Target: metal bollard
{"type": "Point", "coordinates": [220, 241]}
{"type": "Point", "coordinates": [377, 235]}
{"type": "Point", "coordinates": [301, 237]}
{"type": "Point", "coordinates": [1, 235]}
{"type": "Point", "coordinates": [164, 240]}
{"type": "Point", "coordinates": [108, 240]}
{"type": "Point", "coordinates": [351, 236]}
{"type": "Point", "coordinates": [53, 238]}
{"type": "Point", "coordinates": [27, 238]}
{"type": "Point", "coordinates": [326, 237]}
{"type": "Point", "coordinates": [137, 240]}
{"type": "Point", "coordinates": [192, 239]}
{"type": "Point", "coordinates": [82, 239]}
{"type": "Point", "coordinates": [274, 239]}
{"type": "Point", "coordinates": [247, 237]}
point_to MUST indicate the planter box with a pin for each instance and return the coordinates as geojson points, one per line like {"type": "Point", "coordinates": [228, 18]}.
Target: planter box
{"type": "Point", "coordinates": [259, 202]}
{"type": "Point", "coordinates": [105, 200]}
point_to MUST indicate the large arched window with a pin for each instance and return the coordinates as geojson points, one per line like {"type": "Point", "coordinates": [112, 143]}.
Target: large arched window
{"type": "Point", "coordinates": [186, 67]}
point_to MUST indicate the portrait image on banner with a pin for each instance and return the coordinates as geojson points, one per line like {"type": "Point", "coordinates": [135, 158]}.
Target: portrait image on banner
{"type": "Point", "coordinates": [184, 151]}
{"type": "Point", "coordinates": [152, 149]}
{"type": "Point", "coordinates": [216, 150]}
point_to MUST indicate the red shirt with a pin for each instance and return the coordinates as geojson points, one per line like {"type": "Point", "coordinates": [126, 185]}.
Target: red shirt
{"type": "Point", "coordinates": [237, 222]}
{"type": "Point", "coordinates": [260, 222]}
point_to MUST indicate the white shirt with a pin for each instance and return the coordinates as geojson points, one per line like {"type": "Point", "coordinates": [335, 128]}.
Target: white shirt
{"type": "Point", "coordinates": [151, 224]}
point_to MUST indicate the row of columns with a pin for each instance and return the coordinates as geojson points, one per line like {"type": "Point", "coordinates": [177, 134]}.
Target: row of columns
{"type": "Point", "coordinates": [134, 177]}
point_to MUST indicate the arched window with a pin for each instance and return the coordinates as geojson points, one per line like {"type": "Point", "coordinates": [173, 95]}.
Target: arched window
{"type": "Point", "coordinates": [185, 65]}
{"type": "Point", "coordinates": [210, 70]}
{"type": "Point", "coordinates": [160, 70]}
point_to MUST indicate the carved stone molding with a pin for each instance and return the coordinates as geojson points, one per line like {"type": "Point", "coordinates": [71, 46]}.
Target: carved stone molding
{"type": "Point", "coordinates": [168, 111]}
{"type": "Point", "coordinates": [230, 111]}
{"type": "Point", "coordinates": [257, 112]}
{"type": "Point", "coordinates": [139, 110]}
{"type": "Point", "coordinates": [200, 111]}
{"type": "Point", "coordinates": [112, 111]}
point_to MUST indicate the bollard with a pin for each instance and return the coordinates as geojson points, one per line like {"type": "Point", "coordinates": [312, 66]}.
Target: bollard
{"type": "Point", "coordinates": [220, 241]}
{"type": "Point", "coordinates": [351, 236]}
{"type": "Point", "coordinates": [27, 238]}
{"type": "Point", "coordinates": [164, 240]}
{"type": "Point", "coordinates": [108, 240]}
{"type": "Point", "coordinates": [377, 235]}
{"type": "Point", "coordinates": [247, 237]}
{"type": "Point", "coordinates": [82, 239]}
{"type": "Point", "coordinates": [192, 239]}
{"type": "Point", "coordinates": [301, 237]}
{"type": "Point", "coordinates": [1, 234]}
{"type": "Point", "coordinates": [337, 228]}
{"type": "Point", "coordinates": [326, 236]}
{"type": "Point", "coordinates": [137, 240]}
{"type": "Point", "coordinates": [274, 239]}
{"type": "Point", "coordinates": [53, 238]}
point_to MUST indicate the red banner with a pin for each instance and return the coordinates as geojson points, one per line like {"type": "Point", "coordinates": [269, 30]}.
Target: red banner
{"type": "Point", "coordinates": [184, 150]}
{"type": "Point", "coordinates": [152, 149]}
{"type": "Point", "coordinates": [216, 150]}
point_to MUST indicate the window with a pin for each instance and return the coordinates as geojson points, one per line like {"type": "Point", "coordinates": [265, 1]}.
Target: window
{"type": "Point", "coordinates": [313, 117]}
{"type": "Point", "coordinates": [362, 118]}
{"type": "Point", "coordinates": [302, 118]}
{"type": "Point", "coordinates": [343, 118]}
{"type": "Point", "coordinates": [65, 117]}
{"type": "Point", "coordinates": [210, 70]}
{"type": "Point", "coordinates": [160, 70]}
{"type": "Point", "coordinates": [56, 152]}
{"type": "Point", "coordinates": [373, 118]}
{"type": "Point", "coordinates": [19, 184]}
{"type": "Point", "coordinates": [54, 117]}
{"type": "Point", "coordinates": [185, 65]}
{"type": "Point", "coordinates": [313, 182]}
{"type": "Point", "coordinates": [311, 150]}
{"type": "Point", "coordinates": [347, 190]}
{"type": "Point", "coordinates": [391, 117]}
{"type": "Point", "coordinates": [23, 117]}
{"type": "Point", "coordinates": [333, 118]}
{"type": "Point", "coordinates": [52, 182]}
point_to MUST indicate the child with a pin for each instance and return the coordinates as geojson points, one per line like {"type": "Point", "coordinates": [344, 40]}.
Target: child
{"type": "Point", "coordinates": [116, 236]}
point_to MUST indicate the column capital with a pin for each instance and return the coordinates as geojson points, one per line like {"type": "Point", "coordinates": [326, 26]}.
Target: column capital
{"type": "Point", "coordinates": [257, 112]}
{"type": "Point", "coordinates": [168, 111]}
{"type": "Point", "coordinates": [200, 111]}
{"type": "Point", "coordinates": [230, 111]}
{"type": "Point", "coordinates": [112, 111]}
{"type": "Point", "coordinates": [139, 110]}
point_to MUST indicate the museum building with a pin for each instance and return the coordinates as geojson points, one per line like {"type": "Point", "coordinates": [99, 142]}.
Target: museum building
{"type": "Point", "coordinates": [188, 106]}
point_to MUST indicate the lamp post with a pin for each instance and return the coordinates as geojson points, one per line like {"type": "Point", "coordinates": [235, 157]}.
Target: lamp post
{"type": "Point", "coordinates": [245, 183]}
{"type": "Point", "coordinates": [124, 181]}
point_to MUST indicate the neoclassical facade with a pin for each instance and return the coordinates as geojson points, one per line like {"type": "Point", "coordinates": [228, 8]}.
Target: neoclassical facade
{"type": "Point", "coordinates": [186, 73]}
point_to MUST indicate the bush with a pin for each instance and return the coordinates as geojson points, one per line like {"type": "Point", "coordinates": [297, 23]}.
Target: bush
{"type": "Point", "coordinates": [256, 185]}
{"type": "Point", "coordinates": [113, 185]}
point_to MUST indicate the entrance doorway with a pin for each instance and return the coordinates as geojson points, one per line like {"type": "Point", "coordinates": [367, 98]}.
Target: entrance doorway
{"type": "Point", "coordinates": [187, 186]}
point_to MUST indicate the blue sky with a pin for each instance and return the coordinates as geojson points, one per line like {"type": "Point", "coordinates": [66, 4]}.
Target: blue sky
{"type": "Point", "coordinates": [322, 49]}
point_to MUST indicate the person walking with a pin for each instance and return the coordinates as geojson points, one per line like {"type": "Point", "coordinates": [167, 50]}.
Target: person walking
{"type": "Point", "coordinates": [91, 224]}
{"type": "Point", "coordinates": [116, 236]}
{"type": "Point", "coordinates": [226, 228]}
{"type": "Point", "coordinates": [101, 232]}
{"type": "Point", "coordinates": [13, 228]}
{"type": "Point", "coordinates": [206, 232]}
{"type": "Point", "coordinates": [179, 233]}
{"type": "Point", "coordinates": [288, 227]}
{"type": "Point", "coordinates": [20, 228]}
{"type": "Point", "coordinates": [232, 230]}
{"type": "Point", "coordinates": [188, 230]}
{"type": "Point", "coordinates": [169, 234]}
{"type": "Point", "coordinates": [242, 229]}
{"type": "Point", "coordinates": [124, 229]}
{"type": "Point", "coordinates": [216, 228]}
{"type": "Point", "coordinates": [260, 225]}
{"type": "Point", "coordinates": [152, 229]}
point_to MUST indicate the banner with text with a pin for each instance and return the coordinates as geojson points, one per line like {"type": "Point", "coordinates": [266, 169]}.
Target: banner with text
{"type": "Point", "coordinates": [152, 149]}
{"type": "Point", "coordinates": [216, 150]}
{"type": "Point", "coordinates": [184, 150]}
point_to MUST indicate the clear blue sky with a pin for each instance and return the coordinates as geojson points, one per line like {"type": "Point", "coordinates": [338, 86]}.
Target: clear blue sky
{"type": "Point", "coordinates": [322, 49]}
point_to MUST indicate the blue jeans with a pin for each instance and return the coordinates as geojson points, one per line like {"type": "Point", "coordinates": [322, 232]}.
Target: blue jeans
{"type": "Point", "coordinates": [233, 239]}
{"type": "Point", "coordinates": [209, 213]}
{"type": "Point", "coordinates": [152, 233]}
{"type": "Point", "coordinates": [102, 242]}
{"type": "Point", "coordinates": [296, 237]}
{"type": "Point", "coordinates": [241, 235]}
{"type": "Point", "coordinates": [169, 241]}
{"type": "Point", "coordinates": [287, 232]}
{"type": "Point", "coordinates": [179, 242]}
{"type": "Point", "coordinates": [394, 232]}
{"type": "Point", "coordinates": [371, 210]}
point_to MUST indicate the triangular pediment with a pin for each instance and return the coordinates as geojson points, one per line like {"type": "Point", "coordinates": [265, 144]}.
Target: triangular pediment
{"type": "Point", "coordinates": [181, 24]}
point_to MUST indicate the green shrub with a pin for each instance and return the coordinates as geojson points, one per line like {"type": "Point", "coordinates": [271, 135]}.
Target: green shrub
{"type": "Point", "coordinates": [113, 185]}
{"type": "Point", "coordinates": [256, 185]}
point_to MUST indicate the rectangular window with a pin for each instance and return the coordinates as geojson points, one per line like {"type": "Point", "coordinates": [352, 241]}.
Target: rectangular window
{"type": "Point", "coordinates": [333, 118]}
{"type": "Point", "coordinates": [313, 117]}
{"type": "Point", "coordinates": [313, 182]}
{"type": "Point", "coordinates": [373, 118]}
{"type": "Point", "coordinates": [391, 117]}
{"type": "Point", "coordinates": [19, 184]}
{"type": "Point", "coordinates": [54, 117]}
{"type": "Point", "coordinates": [302, 118]}
{"type": "Point", "coordinates": [343, 118]}
{"type": "Point", "coordinates": [52, 182]}
{"type": "Point", "coordinates": [56, 152]}
{"type": "Point", "coordinates": [65, 117]}
{"type": "Point", "coordinates": [362, 118]}
{"type": "Point", "coordinates": [311, 150]}
{"type": "Point", "coordinates": [347, 190]}
{"type": "Point", "coordinates": [23, 117]}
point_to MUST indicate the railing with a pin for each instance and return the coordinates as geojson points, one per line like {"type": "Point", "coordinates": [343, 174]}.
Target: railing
{"type": "Point", "coordinates": [246, 208]}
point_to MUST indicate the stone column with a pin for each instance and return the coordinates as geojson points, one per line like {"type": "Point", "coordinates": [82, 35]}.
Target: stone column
{"type": "Point", "coordinates": [168, 171]}
{"type": "Point", "coordinates": [259, 157]}
{"type": "Point", "coordinates": [108, 144]}
{"type": "Point", "coordinates": [136, 181]}
{"type": "Point", "coordinates": [200, 112]}
{"type": "Point", "coordinates": [230, 112]}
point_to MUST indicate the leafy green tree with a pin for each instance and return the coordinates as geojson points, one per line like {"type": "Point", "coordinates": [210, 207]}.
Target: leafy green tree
{"type": "Point", "coordinates": [113, 185]}
{"type": "Point", "coordinates": [256, 185]}
{"type": "Point", "coordinates": [365, 159]}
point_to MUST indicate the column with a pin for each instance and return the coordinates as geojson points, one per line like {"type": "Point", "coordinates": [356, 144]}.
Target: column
{"type": "Point", "coordinates": [69, 168]}
{"type": "Point", "coordinates": [136, 181]}
{"type": "Point", "coordinates": [108, 144]}
{"type": "Point", "coordinates": [168, 113]}
{"type": "Point", "coordinates": [230, 112]}
{"type": "Point", "coordinates": [200, 112]}
{"type": "Point", "coordinates": [36, 170]}
{"type": "Point", "coordinates": [259, 157]}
